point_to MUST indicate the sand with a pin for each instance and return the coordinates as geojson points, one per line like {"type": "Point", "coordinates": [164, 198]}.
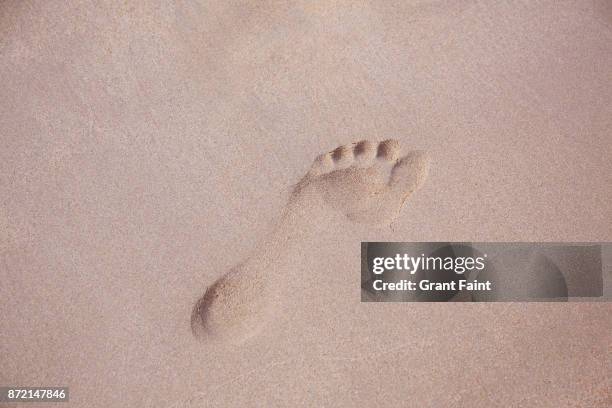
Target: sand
{"type": "Point", "coordinates": [365, 182]}
{"type": "Point", "coordinates": [149, 149]}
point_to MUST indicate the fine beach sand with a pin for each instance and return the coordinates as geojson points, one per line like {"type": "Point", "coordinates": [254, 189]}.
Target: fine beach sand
{"type": "Point", "coordinates": [166, 239]}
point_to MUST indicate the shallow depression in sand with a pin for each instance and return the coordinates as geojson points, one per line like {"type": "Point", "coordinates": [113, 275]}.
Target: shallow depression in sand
{"type": "Point", "coordinates": [365, 182]}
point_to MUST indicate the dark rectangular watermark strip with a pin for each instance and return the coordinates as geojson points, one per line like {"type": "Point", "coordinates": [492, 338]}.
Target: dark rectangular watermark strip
{"type": "Point", "coordinates": [485, 272]}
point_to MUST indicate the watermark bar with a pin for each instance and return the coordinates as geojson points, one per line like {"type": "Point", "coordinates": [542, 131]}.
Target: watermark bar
{"type": "Point", "coordinates": [485, 272]}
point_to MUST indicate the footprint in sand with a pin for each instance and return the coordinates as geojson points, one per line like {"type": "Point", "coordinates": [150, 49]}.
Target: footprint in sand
{"type": "Point", "coordinates": [366, 182]}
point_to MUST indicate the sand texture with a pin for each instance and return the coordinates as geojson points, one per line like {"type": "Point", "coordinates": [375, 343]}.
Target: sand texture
{"type": "Point", "coordinates": [365, 182]}
{"type": "Point", "coordinates": [167, 241]}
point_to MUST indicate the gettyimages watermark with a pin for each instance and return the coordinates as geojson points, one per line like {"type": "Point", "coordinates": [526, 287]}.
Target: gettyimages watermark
{"type": "Point", "coordinates": [485, 272]}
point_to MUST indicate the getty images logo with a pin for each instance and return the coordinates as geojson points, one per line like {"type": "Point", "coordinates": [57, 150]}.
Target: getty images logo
{"type": "Point", "coordinates": [420, 271]}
